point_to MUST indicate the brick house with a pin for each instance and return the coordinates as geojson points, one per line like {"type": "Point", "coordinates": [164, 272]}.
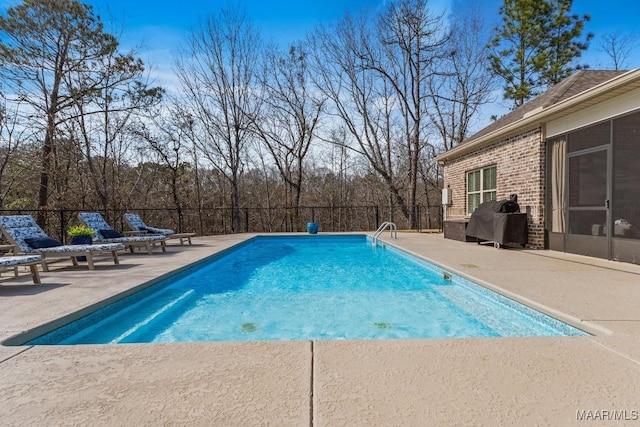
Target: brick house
{"type": "Point", "coordinates": [572, 155]}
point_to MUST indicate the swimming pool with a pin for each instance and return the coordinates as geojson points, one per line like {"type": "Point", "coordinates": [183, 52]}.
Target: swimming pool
{"type": "Point", "coordinates": [320, 287]}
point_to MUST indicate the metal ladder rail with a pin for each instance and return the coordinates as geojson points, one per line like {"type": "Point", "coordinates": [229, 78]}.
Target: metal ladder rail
{"type": "Point", "coordinates": [387, 224]}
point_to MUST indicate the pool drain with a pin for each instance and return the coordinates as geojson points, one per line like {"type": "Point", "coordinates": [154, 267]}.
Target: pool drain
{"type": "Point", "coordinates": [383, 325]}
{"type": "Point", "coordinates": [248, 327]}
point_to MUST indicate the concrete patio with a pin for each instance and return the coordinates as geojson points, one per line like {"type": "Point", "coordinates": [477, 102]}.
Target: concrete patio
{"type": "Point", "coordinates": [593, 380]}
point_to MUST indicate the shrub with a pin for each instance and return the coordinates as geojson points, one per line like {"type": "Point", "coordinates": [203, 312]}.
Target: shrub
{"type": "Point", "coordinates": [80, 230]}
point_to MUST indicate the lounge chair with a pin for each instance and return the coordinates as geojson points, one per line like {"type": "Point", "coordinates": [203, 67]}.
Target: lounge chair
{"type": "Point", "coordinates": [16, 261]}
{"type": "Point", "coordinates": [140, 228]}
{"type": "Point", "coordinates": [104, 233]}
{"type": "Point", "coordinates": [25, 234]}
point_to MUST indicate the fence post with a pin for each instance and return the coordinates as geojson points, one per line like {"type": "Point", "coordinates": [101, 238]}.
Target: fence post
{"type": "Point", "coordinates": [62, 225]}
{"type": "Point", "coordinates": [246, 220]}
{"type": "Point", "coordinates": [377, 216]}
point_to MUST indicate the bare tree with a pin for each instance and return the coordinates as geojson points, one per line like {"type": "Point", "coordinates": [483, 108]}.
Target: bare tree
{"type": "Point", "coordinates": [288, 118]}
{"type": "Point", "coordinates": [619, 47]}
{"type": "Point", "coordinates": [339, 165]}
{"type": "Point", "coordinates": [99, 121]}
{"type": "Point", "coordinates": [461, 87]}
{"type": "Point", "coordinates": [15, 133]}
{"type": "Point", "coordinates": [464, 83]}
{"type": "Point", "coordinates": [261, 190]}
{"type": "Point", "coordinates": [378, 83]}
{"type": "Point", "coordinates": [360, 100]}
{"type": "Point", "coordinates": [413, 39]}
{"type": "Point", "coordinates": [45, 42]}
{"type": "Point", "coordinates": [217, 72]}
{"type": "Point", "coordinates": [167, 139]}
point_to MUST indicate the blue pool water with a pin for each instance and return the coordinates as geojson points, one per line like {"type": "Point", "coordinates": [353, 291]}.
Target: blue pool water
{"type": "Point", "coordinates": [308, 288]}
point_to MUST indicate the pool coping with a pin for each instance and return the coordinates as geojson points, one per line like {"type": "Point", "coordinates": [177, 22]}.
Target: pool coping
{"type": "Point", "coordinates": [586, 326]}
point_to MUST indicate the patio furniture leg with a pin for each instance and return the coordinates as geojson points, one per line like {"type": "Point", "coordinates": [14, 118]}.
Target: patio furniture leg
{"type": "Point", "coordinates": [115, 257]}
{"type": "Point", "coordinates": [45, 267]}
{"type": "Point", "coordinates": [90, 261]}
{"type": "Point", "coordinates": [34, 274]}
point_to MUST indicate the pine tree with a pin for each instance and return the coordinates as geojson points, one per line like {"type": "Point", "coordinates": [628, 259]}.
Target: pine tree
{"type": "Point", "coordinates": [564, 44]}
{"type": "Point", "coordinates": [53, 55]}
{"type": "Point", "coordinates": [536, 45]}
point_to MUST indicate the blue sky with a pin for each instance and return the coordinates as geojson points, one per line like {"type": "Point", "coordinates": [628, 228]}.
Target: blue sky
{"type": "Point", "coordinates": [158, 27]}
{"type": "Point", "coordinates": [153, 21]}
{"type": "Point", "coordinates": [278, 20]}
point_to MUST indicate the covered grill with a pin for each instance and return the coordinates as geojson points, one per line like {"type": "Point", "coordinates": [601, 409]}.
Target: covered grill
{"type": "Point", "coordinates": [500, 222]}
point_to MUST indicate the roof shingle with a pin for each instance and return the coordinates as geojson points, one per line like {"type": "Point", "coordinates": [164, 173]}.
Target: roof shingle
{"type": "Point", "coordinates": [578, 82]}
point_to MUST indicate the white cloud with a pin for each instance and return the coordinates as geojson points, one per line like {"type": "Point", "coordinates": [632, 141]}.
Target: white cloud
{"type": "Point", "coordinates": [158, 47]}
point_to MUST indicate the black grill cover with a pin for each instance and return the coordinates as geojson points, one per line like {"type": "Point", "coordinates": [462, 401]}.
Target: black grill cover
{"type": "Point", "coordinates": [500, 222]}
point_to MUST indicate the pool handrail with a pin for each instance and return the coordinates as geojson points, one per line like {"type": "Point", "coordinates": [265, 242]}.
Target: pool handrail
{"type": "Point", "coordinates": [387, 224]}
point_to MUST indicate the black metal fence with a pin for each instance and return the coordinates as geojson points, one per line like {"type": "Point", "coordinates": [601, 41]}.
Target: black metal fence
{"type": "Point", "coordinates": [212, 221]}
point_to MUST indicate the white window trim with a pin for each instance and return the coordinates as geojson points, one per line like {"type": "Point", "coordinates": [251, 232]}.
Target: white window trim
{"type": "Point", "coordinates": [483, 191]}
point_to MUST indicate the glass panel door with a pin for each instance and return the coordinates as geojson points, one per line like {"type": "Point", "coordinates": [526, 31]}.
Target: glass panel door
{"type": "Point", "coordinates": [588, 202]}
{"type": "Point", "coordinates": [625, 203]}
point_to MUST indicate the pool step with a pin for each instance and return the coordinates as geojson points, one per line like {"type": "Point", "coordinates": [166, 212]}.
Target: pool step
{"type": "Point", "coordinates": [129, 334]}
{"type": "Point", "coordinates": [110, 329]}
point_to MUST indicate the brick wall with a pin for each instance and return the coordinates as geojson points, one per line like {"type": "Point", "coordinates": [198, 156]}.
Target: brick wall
{"type": "Point", "coordinates": [520, 163]}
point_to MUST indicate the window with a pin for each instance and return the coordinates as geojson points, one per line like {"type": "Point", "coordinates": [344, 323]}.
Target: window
{"type": "Point", "coordinates": [481, 187]}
